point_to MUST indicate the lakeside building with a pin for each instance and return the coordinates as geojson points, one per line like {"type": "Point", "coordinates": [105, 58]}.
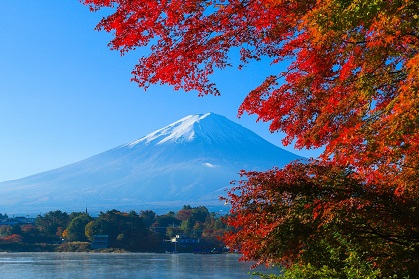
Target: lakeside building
{"type": "Point", "coordinates": [100, 241]}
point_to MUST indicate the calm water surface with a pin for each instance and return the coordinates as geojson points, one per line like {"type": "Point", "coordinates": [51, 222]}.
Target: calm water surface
{"type": "Point", "coordinates": [111, 265]}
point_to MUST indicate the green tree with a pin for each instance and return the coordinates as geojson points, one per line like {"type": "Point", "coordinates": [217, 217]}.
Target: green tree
{"type": "Point", "coordinates": [76, 229]}
{"type": "Point", "coordinates": [192, 219]}
{"type": "Point", "coordinates": [125, 230]}
{"type": "Point", "coordinates": [89, 230]}
{"type": "Point", "coordinates": [148, 217]}
{"type": "Point", "coordinates": [167, 220]}
{"type": "Point", "coordinates": [52, 223]}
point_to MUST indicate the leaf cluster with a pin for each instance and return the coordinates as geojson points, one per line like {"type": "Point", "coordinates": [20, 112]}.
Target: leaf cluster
{"type": "Point", "coordinates": [321, 216]}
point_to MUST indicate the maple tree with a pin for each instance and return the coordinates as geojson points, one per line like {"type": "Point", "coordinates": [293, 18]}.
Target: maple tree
{"type": "Point", "coordinates": [351, 87]}
{"type": "Point", "coordinates": [321, 215]}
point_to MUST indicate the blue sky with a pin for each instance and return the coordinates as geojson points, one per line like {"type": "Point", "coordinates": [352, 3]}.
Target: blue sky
{"type": "Point", "coordinates": [65, 96]}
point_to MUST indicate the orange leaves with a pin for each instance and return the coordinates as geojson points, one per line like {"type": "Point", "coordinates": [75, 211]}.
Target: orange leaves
{"type": "Point", "coordinates": [12, 238]}
{"type": "Point", "coordinates": [349, 102]}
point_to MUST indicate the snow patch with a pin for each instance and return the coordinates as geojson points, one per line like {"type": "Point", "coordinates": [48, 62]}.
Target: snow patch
{"type": "Point", "coordinates": [209, 165]}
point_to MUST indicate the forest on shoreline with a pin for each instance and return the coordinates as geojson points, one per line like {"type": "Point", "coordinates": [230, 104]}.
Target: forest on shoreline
{"type": "Point", "coordinates": [191, 229]}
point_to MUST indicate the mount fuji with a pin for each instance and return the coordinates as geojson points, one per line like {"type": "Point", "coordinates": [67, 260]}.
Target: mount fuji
{"type": "Point", "coordinates": [190, 161]}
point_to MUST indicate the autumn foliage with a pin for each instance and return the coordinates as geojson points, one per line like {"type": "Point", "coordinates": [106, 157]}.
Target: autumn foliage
{"type": "Point", "coordinates": [11, 238]}
{"type": "Point", "coordinates": [351, 87]}
{"type": "Point", "coordinates": [321, 214]}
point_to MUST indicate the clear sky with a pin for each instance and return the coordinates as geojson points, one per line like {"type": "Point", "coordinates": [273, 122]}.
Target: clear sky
{"type": "Point", "coordinates": [65, 96]}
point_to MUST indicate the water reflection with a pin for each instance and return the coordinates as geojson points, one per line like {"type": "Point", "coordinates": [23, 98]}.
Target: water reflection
{"type": "Point", "coordinates": [130, 265]}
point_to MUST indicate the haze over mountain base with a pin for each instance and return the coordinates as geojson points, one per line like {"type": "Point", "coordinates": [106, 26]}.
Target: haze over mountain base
{"type": "Point", "coordinates": [190, 161]}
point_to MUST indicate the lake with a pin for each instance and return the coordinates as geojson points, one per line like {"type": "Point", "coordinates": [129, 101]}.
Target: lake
{"type": "Point", "coordinates": [128, 265]}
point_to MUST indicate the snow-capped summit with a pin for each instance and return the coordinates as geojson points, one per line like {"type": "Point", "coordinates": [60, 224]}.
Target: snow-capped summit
{"type": "Point", "coordinates": [190, 161]}
{"type": "Point", "coordinates": [205, 127]}
{"type": "Point", "coordinates": [179, 131]}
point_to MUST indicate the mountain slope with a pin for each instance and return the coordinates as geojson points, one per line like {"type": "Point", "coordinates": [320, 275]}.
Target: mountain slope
{"type": "Point", "coordinates": [190, 161]}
